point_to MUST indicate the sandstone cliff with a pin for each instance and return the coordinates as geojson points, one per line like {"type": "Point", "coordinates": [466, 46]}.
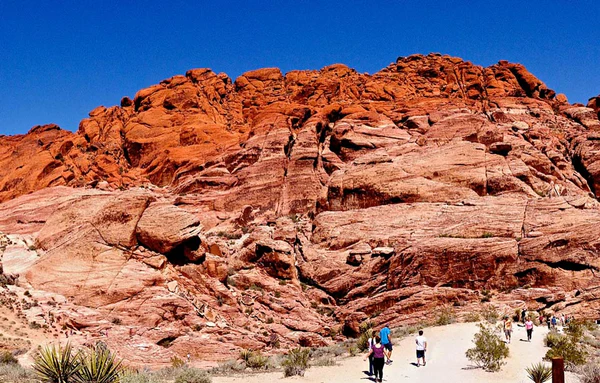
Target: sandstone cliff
{"type": "Point", "coordinates": [285, 209]}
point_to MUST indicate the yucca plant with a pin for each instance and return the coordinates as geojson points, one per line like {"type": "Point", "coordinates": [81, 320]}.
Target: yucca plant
{"type": "Point", "coordinates": [296, 362]}
{"type": "Point", "coordinates": [539, 372]}
{"type": "Point", "coordinates": [98, 365]}
{"type": "Point", "coordinates": [56, 364]}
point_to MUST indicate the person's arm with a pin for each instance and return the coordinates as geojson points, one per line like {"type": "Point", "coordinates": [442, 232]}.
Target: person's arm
{"type": "Point", "coordinates": [369, 354]}
{"type": "Point", "coordinates": [425, 345]}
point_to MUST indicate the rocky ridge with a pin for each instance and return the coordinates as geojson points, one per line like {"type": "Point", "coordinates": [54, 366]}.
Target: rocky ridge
{"type": "Point", "coordinates": [282, 209]}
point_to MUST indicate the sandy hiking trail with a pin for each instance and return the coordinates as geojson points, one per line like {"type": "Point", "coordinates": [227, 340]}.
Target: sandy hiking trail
{"type": "Point", "coordinates": [446, 361]}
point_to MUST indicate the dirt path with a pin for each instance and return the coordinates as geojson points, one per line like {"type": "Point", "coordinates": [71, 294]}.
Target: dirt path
{"type": "Point", "coordinates": [446, 361]}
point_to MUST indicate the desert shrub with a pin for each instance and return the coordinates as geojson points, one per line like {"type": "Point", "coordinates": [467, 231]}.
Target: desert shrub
{"type": "Point", "coordinates": [486, 295]}
{"type": "Point", "coordinates": [228, 367]}
{"type": "Point", "coordinates": [14, 373]}
{"type": "Point", "coordinates": [363, 340]}
{"type": "Point", "coordinates": [567, 348]}
{"type": "Point", "coordinates": [177, 362]}
{"type": "Point", "coordinates": [489, 351]}
{"type": "Point", "coordinates": [445, 317]}
{"type": "Point", "coordinates": [296, 362]}
{"type": "Point", "coordinates": [490, 313]}
{"type": "Point", "coordinates": [254, 359]}
{"type": "Point", "coordinates": [57, 364]}
{"type": "Point", "coordinates": [138, 377]}
{"type": "Point", "coordinates": [539, 372]}
{"type": "Point", "coordinates": [552, 338]}
{"type": "Point", "coordinates": [193, 375]}
{"type": "Point", "coordinates": [472, 317]}
{"type": "Point", "coordinates": [97, 365]}
{"type": "Point", "coordinates": [6, 357]}
{"type": "Point", "coordinates": [576, 330]}
{"type": "Point", "coordinates": [257, 361]}
{"type": "Point", "coordinates": [323, 361]}
{"type": "Point", "coordinates": [589, 373]}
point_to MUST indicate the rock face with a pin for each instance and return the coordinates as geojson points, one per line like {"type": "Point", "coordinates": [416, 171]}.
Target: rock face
{"type": "Point", "coordinates": [206, 211]}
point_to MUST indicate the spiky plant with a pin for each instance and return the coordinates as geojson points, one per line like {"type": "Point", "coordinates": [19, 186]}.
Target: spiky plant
{"type": "Point", "coordinates": [98, 365]}
{"type": "Point", "coordinates": [296, 362]}
{"type": "Point", "coordinates": [57, 364]}
{"type": "Point", "coordinates": [539, 373]}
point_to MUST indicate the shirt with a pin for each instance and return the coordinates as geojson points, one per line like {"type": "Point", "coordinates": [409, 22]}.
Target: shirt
{"type": "Point", "coordinates": [421, 340]}
{"type": "Point", "coordinates": [384, 334]}
{"type": "Point", "coordinates": [508, 325]}
{"type": "Point", "coordinates": [529, 325]}
{"type": "Point", "coordinates": [378, 352]}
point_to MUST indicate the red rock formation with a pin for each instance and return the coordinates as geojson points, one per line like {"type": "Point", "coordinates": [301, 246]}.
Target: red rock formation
{"type": "Point", "coordinates": [293, 206]}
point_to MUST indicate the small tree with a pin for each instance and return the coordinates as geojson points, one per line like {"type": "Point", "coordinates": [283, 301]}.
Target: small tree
{"type": "Point", "coordinates": [489, 351]}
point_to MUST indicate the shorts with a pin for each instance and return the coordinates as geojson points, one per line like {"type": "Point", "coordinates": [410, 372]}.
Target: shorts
{"type": "Point", "coordinates": [388, 346]}
{"type": "Point", "coordinates": [420, 354]}
{"type": "Point", "coordinates": [507, 333]}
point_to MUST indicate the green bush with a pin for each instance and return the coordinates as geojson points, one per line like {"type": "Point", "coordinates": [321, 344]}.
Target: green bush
{"type": "Point", "coordinates": [472, 317]}
{"type": "Point", "coordinates": [177, 362]}
{"type": "Point", "coordinates": [57, 364]}
{"type": "Point", "coordinates": [568, 349]}
{"type": "Point", "coordinates": [257, 361]}
{"type": "Point", "coordinates": [539, 373]}
{"type": "Point", "coordinates": [6, 357]}
{"type": "Point", "coordinates": [489, 351]}
{"type": "Point", "coordinates": [445, 317]}
{"type": "Point", "coordinates": [97, 365]}
{"type": "Point", "coordinates": [552, 338]}
{"type": "Point", "coordinates": [363, 340]}
{"type": "Point", "coordinates": [296, 362]}
{"type": "Point", "coordinates": [193, 375]}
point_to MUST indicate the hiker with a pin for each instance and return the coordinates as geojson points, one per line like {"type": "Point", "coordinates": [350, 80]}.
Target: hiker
{"type": "Point", "coordinates": [523, 313]}
{"type": "Point", "coordinates": [529, 328]}
{"type": "Point", "coordinates": [553, 321]}
{"type": "Point", "coordinates": [421, 342]}
{"type": "Point", "coordinates": [562, 319]}
{"type": "Point", "coordinates": [378, 352]}
{"type": "Point", "coordinates": [371, 343]}
{"type": "Point", "coordinates": [507, 328]}
{"type": "Point", "coordinates": [386, 341]}
{"type": "Point", "coordinates": [549, 321]}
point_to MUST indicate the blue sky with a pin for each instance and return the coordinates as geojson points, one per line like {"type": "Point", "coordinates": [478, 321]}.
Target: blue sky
{"type": "Point", "coordinates": [60, 59]}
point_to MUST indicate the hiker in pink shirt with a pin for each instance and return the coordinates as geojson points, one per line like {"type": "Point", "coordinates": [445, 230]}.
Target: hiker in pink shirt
{"type": "Point", "coordinates": [529, 328]}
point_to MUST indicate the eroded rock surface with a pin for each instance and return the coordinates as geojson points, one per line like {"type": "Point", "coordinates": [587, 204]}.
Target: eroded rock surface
{"type": "Point", "coordinates": [287, 208]}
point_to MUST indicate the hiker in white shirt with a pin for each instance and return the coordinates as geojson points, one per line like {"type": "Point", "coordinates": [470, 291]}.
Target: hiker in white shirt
{"type": "Point", "coordinates": [421, 342]}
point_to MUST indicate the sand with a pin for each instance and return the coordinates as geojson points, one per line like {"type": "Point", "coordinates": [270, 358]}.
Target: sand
{"type": "Point", "coordinates": [446, 361]}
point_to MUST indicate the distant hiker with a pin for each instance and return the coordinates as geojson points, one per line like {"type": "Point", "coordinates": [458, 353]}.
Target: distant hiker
{"type": "Point", "coordinates": [507, 329]}
{"type": "Point", "coordinates": [529, 328]}
{"type": "Point", "coordinates": [554, 321]}
{"type": "Point", "coordinates": [421, 342]}
{"type": "Point", "coordinates": [523, 313]}
{"type": "Point", "coordinates": [548, 321]}
{"type": "Point", "coordinates": [386, 341]}
{"type": "Point", "coordinates": [562, 319]}
{"type": "Point", "coordinates": [371, 343]}
{"type": "Point", "coordinates": [378, 352]}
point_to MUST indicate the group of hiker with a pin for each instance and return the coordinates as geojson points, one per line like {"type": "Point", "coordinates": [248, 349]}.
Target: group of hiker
{"type": "Point", "coordinates": [380, 351]}
{"type": "Point", "coordinates": [551, 320]}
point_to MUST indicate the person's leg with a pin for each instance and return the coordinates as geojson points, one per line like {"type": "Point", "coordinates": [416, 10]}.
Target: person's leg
{"type": "Point", "coordinates": [424, 362]}
{"type": "Point", "coordinates": [379, 362]}
{"type": "Point", "coordinates": [371, 367]}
